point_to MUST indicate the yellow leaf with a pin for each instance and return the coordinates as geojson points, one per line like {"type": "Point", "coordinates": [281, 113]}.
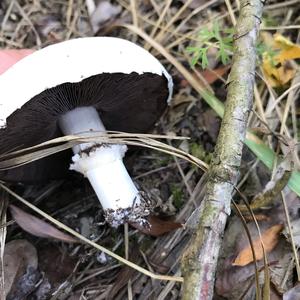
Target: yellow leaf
{"type": "Point", "coordinates": [269, 238]}
{"type": "Point", "coordinates": [275, 68]}
{"type": "Point", "coordinates": [288, 49]}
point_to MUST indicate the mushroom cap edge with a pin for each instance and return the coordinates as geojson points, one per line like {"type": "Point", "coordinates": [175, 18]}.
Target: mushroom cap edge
{"type": "Point", "coordinates": [42, 69]}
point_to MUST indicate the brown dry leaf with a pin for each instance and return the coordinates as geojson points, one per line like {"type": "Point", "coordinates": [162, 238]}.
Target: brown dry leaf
{"type": "Point", "coordinates": [258, 217]}
{"type": "Point", "coordinates": [56, 265]}
{"type": "Point", "coordinates": [275, 67]}
{"type": "Point", "coordinates": [19, 256]}
{"type": "Point", "coordinates": [156, 226]}
{"type": "Point", "coordinates": [269, 238]}
{"type": "Point", "coordinates": [210, 76]}
{"type": "Point", "coordinates": [213, 75]}
{"type": "Point", "coordinates": [293, 293]}
{"type": "Point", "coordinates": [38, 227]}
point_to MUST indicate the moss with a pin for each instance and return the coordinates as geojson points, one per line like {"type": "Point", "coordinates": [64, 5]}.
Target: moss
{"type": "Point", "coordinates": [177, 194]}
{"type": "Point", "coordinates": [198, 151]}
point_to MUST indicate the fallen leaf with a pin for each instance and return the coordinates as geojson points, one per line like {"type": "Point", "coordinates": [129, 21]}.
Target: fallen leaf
{"type": "Point", "coordinates": [232, 282]}
{"type": "Point", "coordinates": [269, 238]}
{"type": "Point", "coordinates": [273, 187]}
{"type": "Point", "coordinates": [25, 285]}
{"type": "Point", "coordinates": [258, 217]}
{"type": "Point", "coordinates": [277, 75]}
{"type": "Point", "coordinates": [288, 51]}
{"type": "Point", "coordinates": [292, 294]}
{"type": "Point", "coordinates": [156, 226]}
{"type": "Point", "coordinates": [275, 66]}
{"type": "Point", "coordinates": [55, 265]}
{"type": "Point", "coordinates": [19, 257]}
{"type": "Point", "coordinates": [38, 227]}
{"type": "Point", "coordinates": [213, 75]}
{"type": "Point", "coordinates": [295, 226]}
{"type": "Point", "coordinates": [210, 76]}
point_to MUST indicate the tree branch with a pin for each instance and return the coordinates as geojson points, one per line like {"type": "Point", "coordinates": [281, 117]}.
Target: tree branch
{"type": "Point", "coordinates": [200, 260]}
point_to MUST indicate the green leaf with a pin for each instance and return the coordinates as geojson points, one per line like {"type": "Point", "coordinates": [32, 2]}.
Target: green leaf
{"type": "Point", "coordinates": [192, 49]}
{"type": "Point", "coordinates": [223, 54]}
{"type": "Point", "coordinates": [205, 35]}
{"type": "Point", "coordinates": [204, 58]}
{"type": "Point", "coordinates": [195, 58]}
{"type": "Point", "coordinates": [223, 39]}
{"type": "Point", "coordinates": [216, 31]}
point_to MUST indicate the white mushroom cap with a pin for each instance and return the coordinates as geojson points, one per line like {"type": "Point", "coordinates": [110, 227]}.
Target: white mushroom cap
{"type": "Point", "coordinates": [63, 62]}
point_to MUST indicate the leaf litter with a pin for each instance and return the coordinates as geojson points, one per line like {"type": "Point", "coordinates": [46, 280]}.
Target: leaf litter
{"type": "Point", "coordinates": [53, 21]}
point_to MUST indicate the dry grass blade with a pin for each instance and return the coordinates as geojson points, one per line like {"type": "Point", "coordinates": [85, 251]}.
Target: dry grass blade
{"type": "Point", "coordinates": [161, 34]}
{"type": "Point", "coordinates": [266, 288]}
{"type": "Point", "coordinates": [257, 290]}
{"type": "Point", "coordinates": [209, 98]}
{"type": "Point", "coordinates": [87, 241]}
{"type": "Point", "coordinates": [159, 21]}
{"type": "Point", "coordinates": [24, 156]}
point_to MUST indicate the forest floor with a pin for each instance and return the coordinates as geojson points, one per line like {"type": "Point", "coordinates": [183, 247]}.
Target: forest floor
{"type": "Point", "coordinates": [195, 38]}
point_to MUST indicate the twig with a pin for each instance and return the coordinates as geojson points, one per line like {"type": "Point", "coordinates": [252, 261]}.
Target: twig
{"type": "Point", "coordinates": [200, 260]}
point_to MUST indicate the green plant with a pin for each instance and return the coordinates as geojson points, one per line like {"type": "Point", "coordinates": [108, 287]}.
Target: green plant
{"type": "Point", "coordinates": [177, 196]}
{"type": "Point", "coordinates": [222, 40]}
{"type": "Point", "coordinates": [198, 151]}
{"type": "Point", "coordinates": [263, 49]}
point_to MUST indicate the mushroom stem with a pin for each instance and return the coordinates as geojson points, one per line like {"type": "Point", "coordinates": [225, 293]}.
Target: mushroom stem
{"type": "Point", "coordinates": [103, 166]}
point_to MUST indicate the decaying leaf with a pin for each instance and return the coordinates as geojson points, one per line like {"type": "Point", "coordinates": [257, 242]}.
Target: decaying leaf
{"type": "Point", "coordinates": [56, 265]}
{"type": "Point", "coordinates": [19, 257]}
{"type": "Point", "coordinates": [273, 187]}
{"type": "Point", "coordinates": [269, 238]}
{"type": "Point", "coordinates": [38, 227]}
{"type": "Point", "coordinates": [292, 294]}
{"type": "Point", "coordinates": [258, 217]}
{"type": "Point", "coordinates": [213, 75]}
{"type": "Point", "coordinates": [232, 282]}
{"type": "Point", "coordinates": [156, 226]}
{"type": "Point", "coordinates": [277, 71]}
{"type": "Point", "coordinates": [295, 226]}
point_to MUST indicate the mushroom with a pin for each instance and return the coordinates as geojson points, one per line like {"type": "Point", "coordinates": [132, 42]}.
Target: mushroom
{"type": "Point", "coordinates": [77, 86]}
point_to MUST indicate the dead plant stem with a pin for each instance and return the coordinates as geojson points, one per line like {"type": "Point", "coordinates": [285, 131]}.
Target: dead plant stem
{"type": "Point", "coordinates": [200, 259]}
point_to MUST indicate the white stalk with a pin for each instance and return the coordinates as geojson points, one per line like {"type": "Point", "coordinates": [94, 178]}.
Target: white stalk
{"type": "Point", "coordinates": [102, 165]}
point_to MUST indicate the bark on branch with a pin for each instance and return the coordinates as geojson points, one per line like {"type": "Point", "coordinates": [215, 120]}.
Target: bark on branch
{"type": "Point", "coordinates": [200, 260]}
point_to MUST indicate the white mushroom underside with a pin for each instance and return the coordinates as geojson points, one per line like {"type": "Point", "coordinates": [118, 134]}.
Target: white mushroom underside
{"type": "Point", "coordinates": [72, 61]}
